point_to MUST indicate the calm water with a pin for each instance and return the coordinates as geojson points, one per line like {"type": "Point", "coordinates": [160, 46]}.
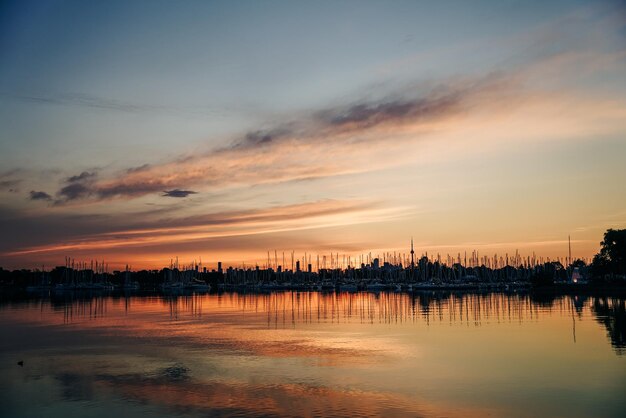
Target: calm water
{"type": "Point", "coordinates": [313, 354]}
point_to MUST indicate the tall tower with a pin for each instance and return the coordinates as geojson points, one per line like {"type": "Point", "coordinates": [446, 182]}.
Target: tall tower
{"type": "Point", "coordinates": [412, 255]}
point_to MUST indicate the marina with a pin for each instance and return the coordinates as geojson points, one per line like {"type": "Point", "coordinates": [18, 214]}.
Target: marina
{"type": "Point", "coordinates": [396, 271]}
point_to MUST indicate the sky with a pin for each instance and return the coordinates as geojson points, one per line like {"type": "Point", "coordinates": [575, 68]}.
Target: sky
{"type": "Point", "coordinates": [137, 132]}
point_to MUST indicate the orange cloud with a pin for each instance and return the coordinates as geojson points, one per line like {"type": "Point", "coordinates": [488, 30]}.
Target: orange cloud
{"type": "Point", "coordinates": [231, 224]}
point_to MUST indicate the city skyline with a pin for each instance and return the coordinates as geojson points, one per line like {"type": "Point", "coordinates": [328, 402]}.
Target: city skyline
{"type": "Point", "coordinates": [137, 133]}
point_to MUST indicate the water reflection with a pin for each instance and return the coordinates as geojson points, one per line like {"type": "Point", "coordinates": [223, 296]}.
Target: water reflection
{"type": "Point", "coordinates": [288, 309]}
{"type": "Point", "coordinates": [314, 354]}
{"type": "Point", "coordinates": [184, 396]}
{"type": "Point", "coordinates": [611, 312]}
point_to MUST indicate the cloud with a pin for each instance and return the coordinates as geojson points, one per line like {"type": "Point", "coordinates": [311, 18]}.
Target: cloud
{"type": "Point", "coordinates": [77, 187]}
{"type": "Point", "coordinates": [39, 195]}
{"type": "Point", "coordinates": [136, 231]}
{"type": "Point", "coordinates": [299, 149]}
{"type": "Point", "coordinates": [8, 182]}
{"type": "Point", "coordinates": [84, 176]}
{"type": "Point", "coordinates": [132, 188]}
{"type": "Point", "coordinates": [362, 116]}
{"type": "Point", "coordinates": [352, 137]}
{"type": "Point", "coordinates": [84, 100]}
{"type": "Point", "coordinates": [9, 185]}
{"type": "Point", "coordinates": [264, 137]}
{"type": "Point", "coordinates": [138, 169]}
{"type": "Point", "coordinates": [413, 104]}
{"type": "Point", "coordinates": [74, 191]}
{"type": "Point", "coordinates": [276, 213]}
{"type": "Point", "coordinates": [178, 193]}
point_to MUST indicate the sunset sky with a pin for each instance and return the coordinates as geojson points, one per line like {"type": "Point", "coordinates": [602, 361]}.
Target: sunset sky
{"type": "Point", "coordinates": [136, 132]}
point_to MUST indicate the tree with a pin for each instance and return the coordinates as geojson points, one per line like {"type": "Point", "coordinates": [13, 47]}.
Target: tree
{"type": "Point", "coordinates": [612, 256]}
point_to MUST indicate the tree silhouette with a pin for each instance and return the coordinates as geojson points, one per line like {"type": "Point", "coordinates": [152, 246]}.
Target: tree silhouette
{"type": "Point", "coordinates": [611, 260]}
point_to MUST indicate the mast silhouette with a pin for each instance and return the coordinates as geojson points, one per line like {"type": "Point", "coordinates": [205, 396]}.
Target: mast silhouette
{"type": "Point", "coordinates": [412, 255]}
{"type": "Point", "coordinates": [569, 243]}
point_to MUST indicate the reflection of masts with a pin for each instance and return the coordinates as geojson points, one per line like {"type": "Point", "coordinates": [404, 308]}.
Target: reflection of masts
{"type": "Point", "coordinates": [573, 321]}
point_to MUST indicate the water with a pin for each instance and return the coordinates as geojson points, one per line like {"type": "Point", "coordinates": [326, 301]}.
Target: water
{"type": "Point", "coordinates": [313, 354]}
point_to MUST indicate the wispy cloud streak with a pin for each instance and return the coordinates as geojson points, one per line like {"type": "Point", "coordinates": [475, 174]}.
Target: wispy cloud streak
{"type": "Point", "coordinates": [84, 100]}
{"type": "Point", "coordinates": [269, 220]}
